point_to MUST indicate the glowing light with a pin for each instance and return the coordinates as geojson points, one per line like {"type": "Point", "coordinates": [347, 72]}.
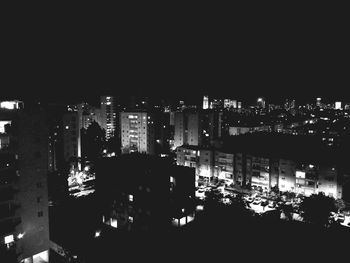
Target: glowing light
{"type": "Point", "coordinates": [114, 223]}
{"type": "Point", "coordinates": [200, 208]}
{"type": "Point", "coordinates": [97, 233]}
{"type": "Point", "coordinates": [20, 235]}
{"type": "Point", "coordinates": [299, 174]}
{"type": "Point", "coordinates": [311, 166]}
{"type": "Point", "coordinates": [2, 125]}
{"type": "Point", "coordinates": [67, 127]}
{"type": "Point", "coordinates": [9, 239]}
{"type": "Point", "coordinates": [131, 198]}
{"type": "Point", "coordinates": [9, 105]}
{"type": "Point", "coordinates": [86, 168]}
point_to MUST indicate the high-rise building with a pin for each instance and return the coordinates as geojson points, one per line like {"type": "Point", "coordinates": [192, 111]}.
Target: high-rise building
{"type": "Point", "coordinates": [71, 136]}
{"type": "Point", "coordinates": [337, 105]}
{"type": "Point", "coordinates": [24, 219]}
{"type": "Point", "coordinates": [137, 132]}
{"type": "Point", "coordinates": [109, 115]}
{"type": "Point", "coordinates": [197, 128]}
{"type": "Point", "coordinates": [205, 102]}
{"type": "Point", "coordinates": [318, 102]}
{"type": "Point", "coordinates": [187, 129]}
{"type": "Point", "coordinates": [229, 104]}
{"type": "Point", "coordinates": [261, 103]}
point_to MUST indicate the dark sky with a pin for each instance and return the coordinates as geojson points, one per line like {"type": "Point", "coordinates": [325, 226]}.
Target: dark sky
{"type": "Point", "coordinates": [302, 53]}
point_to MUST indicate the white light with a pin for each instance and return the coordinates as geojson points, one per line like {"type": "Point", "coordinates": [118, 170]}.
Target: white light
{"type": "Point", "coordinates": [200, 208]}
{"type": "Point", "coordinates": [20, 235]}
{"type": "Point", "coordinates": [10, 105]}
{"type": "Point", "coordinates": [131, 198]}
{"type": "Point", "coordinates": [183, 210]}
{"type": "Point", "coordinates": [9, 239]}
{"type": "Point", "coordinates": [98, 233]}
{"type": "Point", "coordinates": [86, 168]}
{"type": "Point", "coordinates": [67, 127]}
{"type": "Point", "coordinates": [114, 223]}
{"type": "Point", "coordinates": [104, 151]}
{"type": "Point", "coordinates": [311, 166]}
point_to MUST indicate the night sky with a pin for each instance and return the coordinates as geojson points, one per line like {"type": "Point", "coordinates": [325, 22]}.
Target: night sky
{"type": "Point", "coordinates": [246, 54]}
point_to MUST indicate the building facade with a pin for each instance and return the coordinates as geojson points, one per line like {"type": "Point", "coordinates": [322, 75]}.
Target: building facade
{"type": "Point", "coordinates": [109, 116]}
{"type": "Point", "coordinates": [24, 218]}
{"type": "Point", "coordinates": [71, 136]}
{"type": "Point", "coordinates": [137, 132]}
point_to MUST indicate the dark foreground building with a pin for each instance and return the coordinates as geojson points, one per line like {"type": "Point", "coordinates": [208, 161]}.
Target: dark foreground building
{"type": "Point", "coordinates": [144, 193]}
{"type": "Point", "coordinates": [24, 219]}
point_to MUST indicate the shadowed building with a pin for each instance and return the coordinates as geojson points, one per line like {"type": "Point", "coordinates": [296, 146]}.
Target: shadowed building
{"type": "Point", "coordinates": [142, 192]}
{"type": "Point", "coordinates": [24, 221]}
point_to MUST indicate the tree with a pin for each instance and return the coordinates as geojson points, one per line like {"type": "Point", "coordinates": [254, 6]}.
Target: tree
{"type": "Point", "coordinates": [317, 208]}
{"type": "Point", "coordinates": [93, 142]}
{"type": "Point", "coordinates": [339, 204]}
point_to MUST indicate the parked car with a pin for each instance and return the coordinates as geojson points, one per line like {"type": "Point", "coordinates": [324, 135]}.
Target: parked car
{"type": "Point", "coordinates": [264, 203]}
{"type": "Point", "coordinates": [340, 218]}
{"type": "Point", "coordinates": [257, 201]}
{"type": "Point", "coordinates": [271, 205]}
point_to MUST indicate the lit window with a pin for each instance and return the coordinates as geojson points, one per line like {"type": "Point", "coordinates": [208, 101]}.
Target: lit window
{"type": "Point", "coordinates": [114, 223]}
{"type": "Point", "coordinates": [9, 239]}
{"type": "Point", "coordinates": [131, 198]}
{"type": "Point", "coordinates": [131, 219]}
{"type": "Point", "coordinates": [97, 233]}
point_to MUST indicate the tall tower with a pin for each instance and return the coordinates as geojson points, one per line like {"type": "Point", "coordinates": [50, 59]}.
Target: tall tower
{"type": "Point", "coordinates": [109, 115]}
{"type": "Point", "coordinates": [137, 132]}
{"type": "Point", "coordinates": [205, 102]}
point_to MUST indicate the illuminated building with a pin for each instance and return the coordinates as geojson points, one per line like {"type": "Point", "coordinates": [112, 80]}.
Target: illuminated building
{"type": "Point", "coordinates": [86, 114]}
{"type": "Point", "coordinates": [259, 171]}
{"type": "Point", "coordinates": [261, 103]}
{"type": "Point", "coordinates": [224, 166]}
{"type": "Point", "coordinates": [230, 104]}
{"type": "Point", "coordinates": [337, 105]}
{"type": "Point", "coordinates": [109, 117]}
{"type": "Point", "coordinates": [197, 128]}
{"type": "Point", "coordinates": [205, 102]}
{"type": "Point", "coordinates": [216, 104]}
{"type": "Point", "coordinates": [24, 221]}
{"type": "Point", "coordinates": [263, 170]}
{"type": "Point", "coordinates": [318, 102]}
{"type": "Point", "coordinates": [137, 132]}
{"type": "Point", "coordinates": [187, 129]}
{"type": "Point", "coordinates": [71, 136]}
{"type": "Point", "coordinates": [143, 192]}
{"type": "Point", "coordinates": [199, 158]}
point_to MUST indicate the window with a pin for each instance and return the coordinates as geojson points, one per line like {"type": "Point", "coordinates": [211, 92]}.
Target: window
{"type": "Point", "coordinates": [131, 198]}
{"type": "Point", "coordinates": [40, 214]}
{"type": "Point", "coordinates": [38, 199]}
